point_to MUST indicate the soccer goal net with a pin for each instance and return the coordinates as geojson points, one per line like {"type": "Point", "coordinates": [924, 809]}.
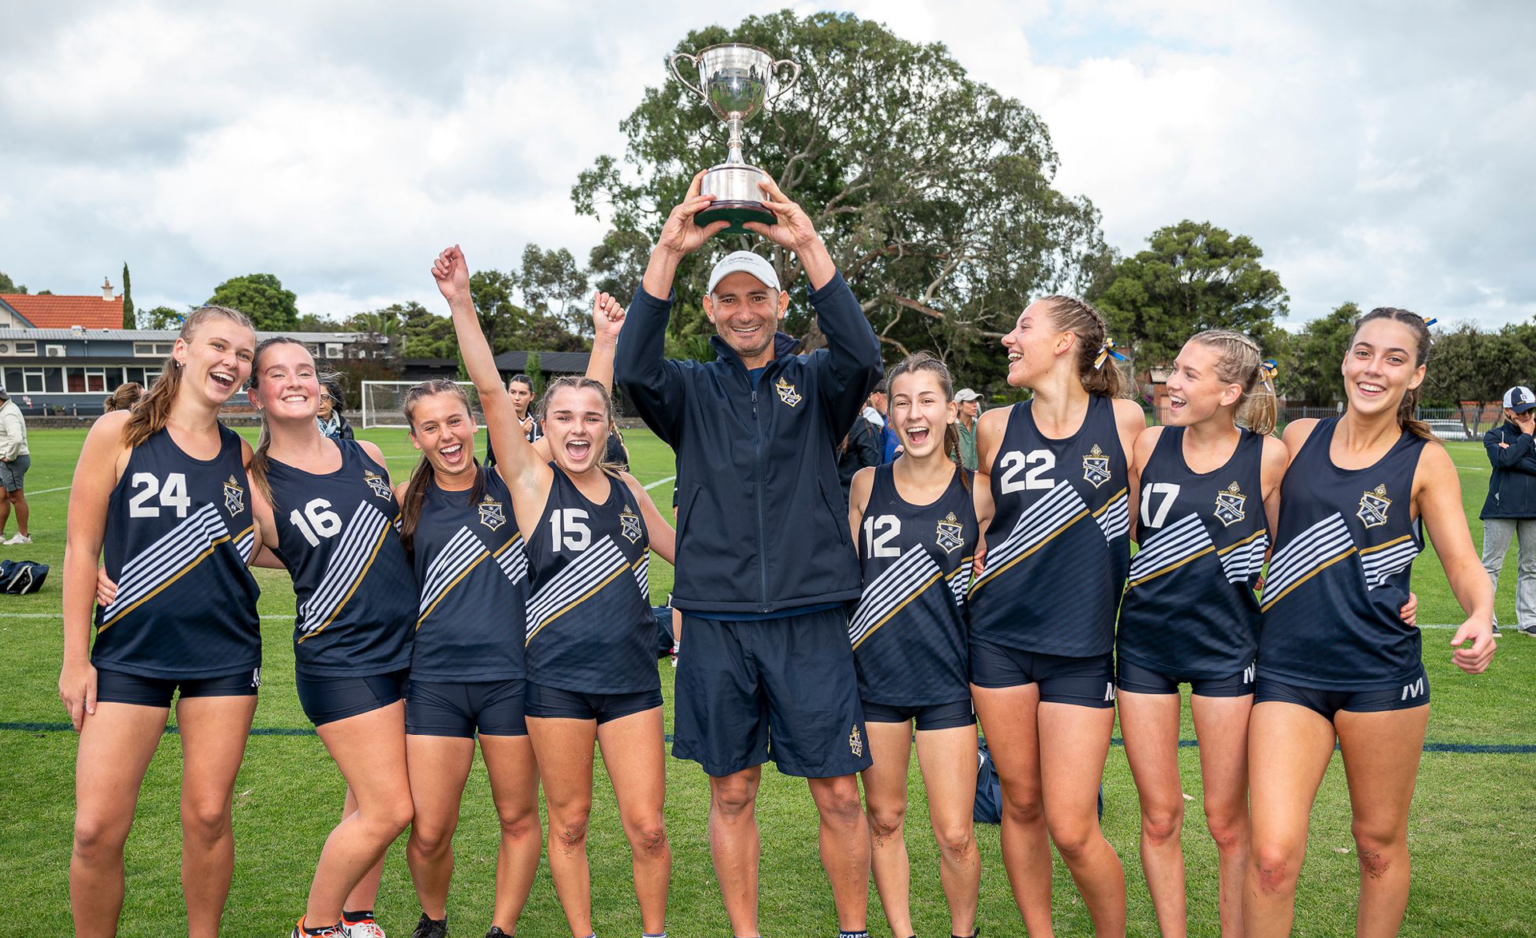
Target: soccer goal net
{"type": "Point", "coordinates": [383, 402]}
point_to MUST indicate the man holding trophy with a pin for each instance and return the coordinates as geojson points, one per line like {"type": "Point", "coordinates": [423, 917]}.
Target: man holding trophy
{"type": "Point", "coordinates": [765, 560]}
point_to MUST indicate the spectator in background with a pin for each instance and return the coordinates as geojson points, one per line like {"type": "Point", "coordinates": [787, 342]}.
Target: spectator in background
{"type": "Point", "coordinates": [970, 408]}
{"type": "Point", "coordinates": [520, 390]}
{"type": "Point", "coordinates": [14, 462]}
{"type": "Point", "coordinates": [124, 397]}
{"type": "Point", "coordinates": [859, 449]}
{"type": "Point", "coordinates": [874, 412]}
{"type": "Point", "coordinates": [333, 423]}
{"type": "Point", "coordinates": [1509, 513]}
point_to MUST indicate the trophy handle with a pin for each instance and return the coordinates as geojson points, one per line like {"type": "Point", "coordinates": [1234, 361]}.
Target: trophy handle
{"type": "Point", "coordinates": [792, 79]}
{"type": "Point", "coordinates": [686, 83]}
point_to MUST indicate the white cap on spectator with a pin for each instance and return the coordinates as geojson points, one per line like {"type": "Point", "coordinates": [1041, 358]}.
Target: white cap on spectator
{"type": "Point", "coordinates": [743, 262]}
{"type": "Point", "coordinates": [1519, 399]}
{"type": "Point", "coordinates": [966, 394]}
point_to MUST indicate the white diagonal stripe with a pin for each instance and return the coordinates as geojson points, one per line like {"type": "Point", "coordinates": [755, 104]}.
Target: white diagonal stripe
{"type": "Point", "coordinates": [165, 558]}
{"type": "Point", "coordinates": [344, 566]}
{"type": "Point", "coordinates": [1243, 562]}
{"type": "Point", "coordinates": [461, 551]}
{"type": "Point", "coordinates": [1169, 545]}
{"type": "Point", "coordinates": [895, 585]}
{"type": "Point", "coordinates": [1384, 564]}
{"type": "Point", "coordinates": [1036, 523]}
{"type": "Point", "coordinates": [1115, 519]}
{"type": "Point", "coordinates": [594, 566]}
{"type": "Point", "coordinates": [1321, 541]}
{"type": "Point", "coordinates": [514, 561]}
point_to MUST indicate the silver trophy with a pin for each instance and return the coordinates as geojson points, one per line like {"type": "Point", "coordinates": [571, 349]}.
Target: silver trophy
{"type": "Point", "coordinates": [737, 78]}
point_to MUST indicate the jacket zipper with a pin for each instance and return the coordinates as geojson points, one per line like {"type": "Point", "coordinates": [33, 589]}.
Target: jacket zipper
{"type": "Point", "coordinates": [757, 472]}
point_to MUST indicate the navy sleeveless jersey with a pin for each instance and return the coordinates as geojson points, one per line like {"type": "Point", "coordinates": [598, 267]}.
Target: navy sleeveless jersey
{"type": "Point", "coordinates": [590, 627]}
{"type": "Point", "coordinates": [1058, 544]}
{"type": "Point", "coordinates": [908, 631]}
{"type": "Point", "coordinates": [473, 578]}
{"type": "Point", "coordinates": [1189, 608]}
{"type": "Point", "coordinates": [179, 535]}
{"type": "Point", "coordinates": [355, 588]}
{"type": "Point", "coordinates": [1343, 557]}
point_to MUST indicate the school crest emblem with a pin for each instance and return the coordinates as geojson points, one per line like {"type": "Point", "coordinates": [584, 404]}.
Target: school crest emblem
{"type": "Point", "coordinates": [787, 392]}
{"type": "Point", "coordinates": [234, 496]}
{"type": "Point", "coordinates": [491, 514]}
{"type": "Point", "coordinates": [629, 525]}
{"type": "Point", "coordinates": [951, 533]}
{"type": "Point", "coordinates": [1096, 467]}
{"type": "Point", "coordinates": [1373, 507]}
{"type": "Point", "coordinates": [855, 741]}
{"type": "Point", "coordinates": [1229, 506]}
{"type": "Point", "coordinates": [378, 483]}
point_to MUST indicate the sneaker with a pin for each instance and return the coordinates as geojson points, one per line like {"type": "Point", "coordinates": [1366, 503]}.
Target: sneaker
{"type": "Point", "coordinates": [496, 932]}
{"type": "Point", "coordinates": [429, 928]}
{"type": "Point", "coordinates": [1496, 632]}
{"type": "Point", "coordinates": [19, 539]}
{"type": "Point", "coordinates": [363, 928]}
{"type": "Point", "coordinates": [335, 931]}
{"type": "Point", "coordinates": [1528, 630]}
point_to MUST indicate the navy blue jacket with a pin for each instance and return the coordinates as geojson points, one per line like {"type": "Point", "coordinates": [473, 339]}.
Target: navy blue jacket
{"type": "Point", "coordinates": [761, 524]}
{"type": "Point", "coordinates": [1512, 490]}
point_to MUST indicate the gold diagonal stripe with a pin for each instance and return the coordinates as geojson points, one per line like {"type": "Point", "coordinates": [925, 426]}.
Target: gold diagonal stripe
{"type": "Point", "coordinates": [574, 603]}
{"type": "Point", "coordinates": [1231, 547]}
{"type": "Point", "coordinates": [1319, 569]}
{"type": "Point", "coordinates": [938, 575]}
{"type": "Point", "coordinates": [355, 583]}
{"type": "Point", "coordinates": [502, 549]}
{"type": "Point", "coordinates": [1067, 524]}
{"type": "Point", "coordinates": [1395, 540]}
{"type": "Point", "coordinates": [449, 588]}
{"type": "Point", "coordinates": [1170, 568]}
{"type": "Point", "coordinates": [1111, 501]}
{"type": "Point", "coordinates": [116, 616]}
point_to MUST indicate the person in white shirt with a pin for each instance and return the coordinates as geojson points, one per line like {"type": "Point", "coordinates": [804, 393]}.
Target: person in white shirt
{"type": "Point", "coordinates": [15, 459]}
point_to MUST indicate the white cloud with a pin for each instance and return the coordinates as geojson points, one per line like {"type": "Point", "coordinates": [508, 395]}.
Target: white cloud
{"type": "Point", "coordinates": [1378, 153]}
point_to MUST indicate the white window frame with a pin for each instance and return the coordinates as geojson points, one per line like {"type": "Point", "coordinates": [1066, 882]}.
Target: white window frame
{"type": "Point", "coordinates": [152, 349]}
{"type": "Point", "coordinates": [28, 375]}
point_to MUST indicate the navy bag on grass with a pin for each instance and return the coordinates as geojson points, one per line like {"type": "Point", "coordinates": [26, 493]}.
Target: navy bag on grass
{"type": "Point", "coordinates": [989, 791]}
{"type": "Point", "coordinates": [19, 577]}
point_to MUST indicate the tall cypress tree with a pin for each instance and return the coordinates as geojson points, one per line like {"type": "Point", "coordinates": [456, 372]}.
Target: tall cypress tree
{"type": "Point", "coordinates": [128, 317]}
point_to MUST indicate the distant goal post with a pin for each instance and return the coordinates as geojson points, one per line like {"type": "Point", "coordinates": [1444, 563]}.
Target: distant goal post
{"type": "Point", "coordinates": [383, 403]}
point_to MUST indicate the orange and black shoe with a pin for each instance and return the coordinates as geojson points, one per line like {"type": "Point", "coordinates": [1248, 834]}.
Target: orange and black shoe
{"type": "Point", "coordinates": [330, 931]}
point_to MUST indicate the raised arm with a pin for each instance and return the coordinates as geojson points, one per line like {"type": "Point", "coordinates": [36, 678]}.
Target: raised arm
{"type": "Point", "coordinates": [650, 382]}
{"type": "Point", "coordinates": [607, 319]}
{"type": "Point", "coordinates": [515, 458]}
{"type": "Point", "coordinates": [853, 351]}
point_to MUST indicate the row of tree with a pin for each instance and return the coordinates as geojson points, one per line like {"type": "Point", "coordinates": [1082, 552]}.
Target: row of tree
{"type": "Point", "coordinates": [936, 196]}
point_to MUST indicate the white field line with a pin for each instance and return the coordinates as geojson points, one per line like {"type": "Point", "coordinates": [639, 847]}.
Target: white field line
{"type": "Point", "coordinates": [660, 482]}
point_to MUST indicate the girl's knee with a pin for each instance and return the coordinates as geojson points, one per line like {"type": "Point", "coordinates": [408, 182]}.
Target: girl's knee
{"type": "Point", "coordinates": [205, 820]}
{"type": "Point", "coordinates": [956, 841]}
{"type": "Point", "coordinates": [648, 835]}
{"type": "Point", "coordinates": [1276, 866]}
{"type": "Point", "coordinates": [1160, 826]}
{"type": "Point", "coordinates": [886, 822]}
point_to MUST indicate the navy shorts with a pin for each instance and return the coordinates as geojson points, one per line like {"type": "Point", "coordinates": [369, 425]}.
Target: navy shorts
{"type": "Point", "coordinates": [1139, 680]}
{"type": "Point", "coordinates": [328, 699]}
{"type": "Point", "coordinates": [121, 687]}
{"type": "Point", "coordinates": [1413, 692]}
{"type": "Point", "coordinates": [930, 717]}
{"type": "Point", "coordinates": [783, 689]}
{"type": "Point", "coordinates": [553, 702]}
{"type": "Point", "coordinates": [441, 708]}
{"type": "Point", "coordinates": [1082, 682]}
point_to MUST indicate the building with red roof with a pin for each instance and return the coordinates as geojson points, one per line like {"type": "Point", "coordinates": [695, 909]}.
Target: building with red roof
{"type": "Point", "coordinates": [31, 311]}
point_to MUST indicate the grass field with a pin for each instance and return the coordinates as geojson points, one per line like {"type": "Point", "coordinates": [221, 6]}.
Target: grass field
{"type": "Point", "coordinates": [1473, 832]}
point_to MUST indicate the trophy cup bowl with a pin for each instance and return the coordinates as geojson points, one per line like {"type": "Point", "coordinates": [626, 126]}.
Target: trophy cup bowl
{"type": "Point", "coordinates": [734, 80]}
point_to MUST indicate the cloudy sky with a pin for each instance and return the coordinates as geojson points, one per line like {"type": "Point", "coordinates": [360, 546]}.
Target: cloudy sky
{"type": "Point", "coordinates": [1382, 152]}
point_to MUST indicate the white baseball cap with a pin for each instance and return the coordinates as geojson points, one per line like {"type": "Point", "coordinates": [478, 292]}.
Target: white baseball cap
{"type": "Point", "coordinates": [743, 262]}
{"type": "Point", "coordinates": [966, 394]}
{"type": "Point", "coordinates": [1519, 399]}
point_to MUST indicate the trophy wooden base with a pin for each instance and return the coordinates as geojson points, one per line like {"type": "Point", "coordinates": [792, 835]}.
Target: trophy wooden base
{"type": "Point", "coordinates": [736, 212]}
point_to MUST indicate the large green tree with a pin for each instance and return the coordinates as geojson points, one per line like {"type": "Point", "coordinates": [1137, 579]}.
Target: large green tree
{"type": "Point", "coordinates": [261, 297]}
{"type": "Point", "coordinates": [933, 192]}
{"type": "Point", "coordinates": [554, 285]}
{"type": "Point", "coordinates": [161, 317]}
{"type": "Point", "coordinates": [1466, 364]}
{"type": "Point", "coordinates": [128, 318]}
{"type": "Point", "coordinates": [1192, 277]}
{"type": "Point", "coordinates": [7, 285]}
{"type": "Point", "coordinates": [1310, 366]}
